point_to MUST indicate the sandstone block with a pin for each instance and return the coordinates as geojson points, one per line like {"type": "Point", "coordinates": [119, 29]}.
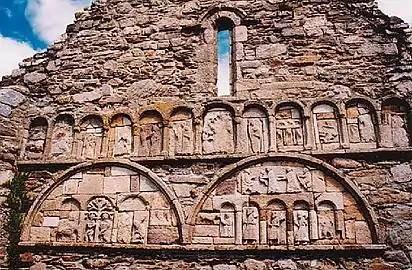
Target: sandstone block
{"type": "Point", "coordinates": [116, 184]}
{"type": "Point", "coordinates": [270, 50]}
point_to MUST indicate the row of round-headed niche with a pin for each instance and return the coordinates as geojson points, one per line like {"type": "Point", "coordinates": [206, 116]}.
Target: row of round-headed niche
{"type": "Point", "coordinates": [221, 129]}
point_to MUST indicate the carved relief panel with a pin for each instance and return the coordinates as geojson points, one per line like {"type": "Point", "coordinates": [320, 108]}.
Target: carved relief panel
{"type": "Point", "coordinates": [121, 135]}
{"type": "Point", "coordinates": [91, 137]}
{"type": "Point", "coordinates": [361, 127]}
{"type": "Point", "coordinates": [289, 128]}
{"type": "Point", "coordinates": [62, 137]}
{"type": "Point", "coordinates": [394, 126]}
{"type": "Point", "coordinates": [326, 127]}
{"type": "Point", "coordinates": [151, 134]}
{"type": "Point", "coordinates": [181, 140]}
{"type": "Point", "coordinates": [36, 141]}
{"type": "Point", "coordinates": [218, 132]}
{"type": "Point", "coordinates": [280, 204]}
{"type": "Point", "coordinates": [254, 131]}
{"type": "Point", "coordinates": [105, 205]}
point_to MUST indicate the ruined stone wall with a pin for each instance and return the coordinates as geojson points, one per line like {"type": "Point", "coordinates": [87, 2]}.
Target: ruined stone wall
{"type": "Point", "coordinates": [130, 150]}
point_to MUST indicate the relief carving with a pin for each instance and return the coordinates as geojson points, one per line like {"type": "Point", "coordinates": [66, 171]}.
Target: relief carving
{"type": "Point", "coordinates": [301, 226]}
{"type": "Point", "coordinates": [99, 220]}
{"type": "Point", "coordinates": [227, 222]}
{"type": "Point", "coordinates": [62, 137]}
{"type": "Point", "coordinates": [139, 229]}
{"type": "Point", "coordinates": [181, 133]}
{"type": "Point", "coordinates": [122, 135]}
{"type": "Point", "coordinates": [276, 203]}
{"type": "Point", "coordinates": [394, 128]}
{"type": "Point", "coordinates": [68, 230]}
{"type": "Point", "coordinates": [250, 225]}
{"type": "Point", "coordinates": [289, 127]}
{"type": "Point", "coordinates": [218, 135]}
{"type": "Point", "coordinates": [36, 141]}
{"type": "Point", "coordinates": [360, 124]}
{"type": "Point", "coordinates": [326, 126]}
{"type": "Point", "coordinates": [276, 224]}
{"type": "Point", "coordinates": [151, 137]}
{"type": "Point", "coordinates": [255, 126]}
{"type": "Point", "coordinates": [91, 132]}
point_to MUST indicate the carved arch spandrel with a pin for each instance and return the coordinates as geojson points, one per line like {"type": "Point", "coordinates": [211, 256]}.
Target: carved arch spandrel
{"type": "Point", "coordinates": [302, 181]}
{"type": "Point", "coordinates": [114, 203]}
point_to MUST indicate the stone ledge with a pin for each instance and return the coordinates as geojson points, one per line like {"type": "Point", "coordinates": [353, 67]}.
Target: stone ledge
{"type": "Point", "coordinates": [314, 153]}
{"type": "Point", "coordinates": [355, 247]}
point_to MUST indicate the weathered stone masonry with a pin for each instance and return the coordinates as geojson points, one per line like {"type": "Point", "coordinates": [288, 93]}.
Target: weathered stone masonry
{"type": "Point", "coordinates": [135, 162]}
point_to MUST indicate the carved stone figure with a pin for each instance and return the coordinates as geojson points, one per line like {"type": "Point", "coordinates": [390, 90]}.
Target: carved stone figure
{"type": "Point", "coordinates": [276, 222]}
{"type": "Point", "coordinates": [122, 141]}
{"type": "Point", "coordinates": [366, 128]}
{"type": "Point", "coordinates": [250, 225]}
{"type": "Point", "coordinates": [182, 140]}
{"type": "Point", "coordinates": [227, 224]}
{"type": "Point", "coordinates": [91, 227]}
{"type": "Point", "coordinates": [218, 132]}
{"type": "Point", "coordinates": [36, 141]}
{"type": "Point", "coordinates": [360, 124]}
{"type": "Point", "coordinates": [151, 139]}
{"type": "Point", "coordinates": [326, 223]}
{"type": "Point", "coordinates": [91, 133]}
{"type": "Point", "coordinates": [301, 224]}
{"type": "Point", "coordinates": [255, 132]}
{"type": "Point", "coordinates": [139, 230]}
{"type": "Point", "coordinates": [68, 230]}
{"type": "Point", "coordinates": [327, 133]}
{"type": "Point", "coordinates": [394, 130]}
{"type": "Point", "coordinates": [253, 181]}
{"type": "Point", "coordinates": [289, 127]}
{"type": "Point", "coordinates": [99, 220]}
{"type": "Point", "coordinates": [400, 135]}
{"type": "Point", "coordinates": [293, 183]}
{"type": "Point", "coordinates": [62, 138]}
{"type": "Point", "coordinates": [105, 228]}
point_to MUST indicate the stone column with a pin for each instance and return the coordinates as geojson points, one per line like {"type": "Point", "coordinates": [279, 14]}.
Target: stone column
{"type": "Point", "coordinates": [238, 229]}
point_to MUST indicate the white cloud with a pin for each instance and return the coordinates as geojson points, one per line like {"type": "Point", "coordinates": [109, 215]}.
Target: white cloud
{"type": "Point", "coordinates": [399, 8]}
{"type": "Point", "coordinates": [11, 53]}
{"type": "Point", "coordinates": [49, 18]}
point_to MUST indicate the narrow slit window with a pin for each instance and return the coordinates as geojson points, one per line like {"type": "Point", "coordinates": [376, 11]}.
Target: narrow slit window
{"type": "Point", "coordinates": [224, 57]}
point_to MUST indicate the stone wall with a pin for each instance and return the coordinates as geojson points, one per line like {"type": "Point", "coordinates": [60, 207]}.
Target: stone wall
{"type": "Point", "coordinates": [306, 165]}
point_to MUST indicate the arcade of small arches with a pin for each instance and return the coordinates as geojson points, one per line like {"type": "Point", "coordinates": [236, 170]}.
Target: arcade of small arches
{"type": "Point", "coordinates": [221, 128]}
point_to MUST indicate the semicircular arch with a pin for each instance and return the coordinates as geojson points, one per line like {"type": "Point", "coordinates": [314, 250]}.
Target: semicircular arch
{"type": "Point", "coordinates": [286, 167]}
{"type": "Point", "coordinates": [92, 185]}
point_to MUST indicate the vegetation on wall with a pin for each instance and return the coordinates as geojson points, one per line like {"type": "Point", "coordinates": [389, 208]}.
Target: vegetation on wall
{"type": "Point", "coordinates": [17, 203]}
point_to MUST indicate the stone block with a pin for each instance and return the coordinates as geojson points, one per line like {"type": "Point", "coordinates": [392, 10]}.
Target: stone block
{"type": "Point", "coordinates": [118, 171]}
{"type": "Point", "coordinates": [135, 183]}
{"type": "Point", "coordinates": [11, 97]}
{"type": "Point", "coordinates": [162, 235]}
{"type": "Point", "coordinates": [402, 173]}
{"type": "Point", "coordinates": [240, 33]}
{"type": "Point", "coordinates": [270, 50]}
{"type": "Point", "coordinates": [91, 184]}
{"type": "Point", "coordinates": [51, 221]}
{"type": "Point", "coordinates": [225, 267]}
{"type": "Point", "coordinates": [147, 184]}
{"type": "Point", "coordinates": [116, 184]}
{"type": "Point", "coordinates": [70, 187]}
{"type": "Point", "coordinates": [206, 230]}
{"type": "Point", "coordinates": [362, 235]}
{"type": "Point", "coordinates": [202, 240]}
{"type": "Point", "coordinates": [40, 234]}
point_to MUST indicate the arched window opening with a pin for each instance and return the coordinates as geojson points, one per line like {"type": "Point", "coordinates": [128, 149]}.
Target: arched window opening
{"type": "Point", "coordinates": [224, 56]}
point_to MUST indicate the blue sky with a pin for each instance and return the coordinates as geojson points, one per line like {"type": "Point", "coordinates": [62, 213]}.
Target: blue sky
{"type": "Point", "coordinates": [27, 26]}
